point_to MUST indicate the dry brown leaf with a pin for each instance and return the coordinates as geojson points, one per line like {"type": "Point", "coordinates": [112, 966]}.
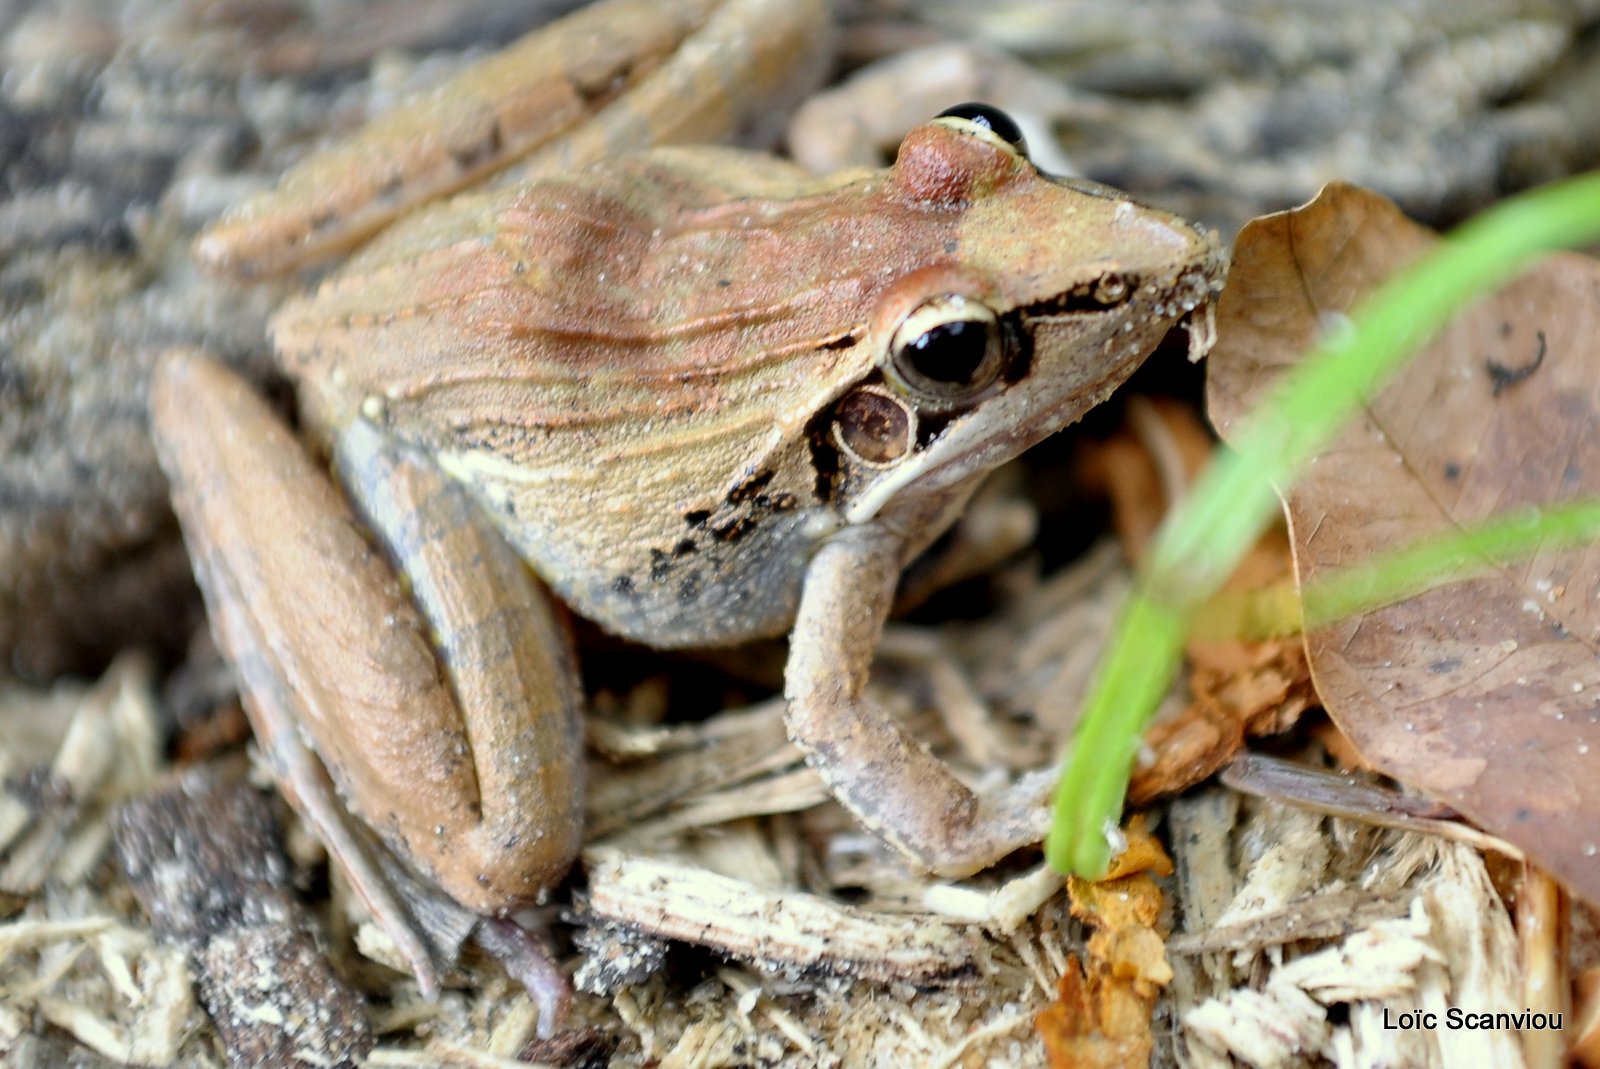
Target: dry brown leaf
{"type": "Point", "coordinates": [1119, 902]}
{"type": "Point", "coordinates": [1142, 854]}
{"type": "Point", "coordinates": [1241, 689]}
{"type": "Point", "coordinates": [1074, 1032]}
{"type": "Point", "coordinates": [1162, 444]}
{"type": "Point", "coordinates": [1485, 693]}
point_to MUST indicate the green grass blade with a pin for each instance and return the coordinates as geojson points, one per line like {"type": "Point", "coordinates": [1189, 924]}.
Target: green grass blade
{"type": "Point", "coordinates": [1407, 572]}
{"type": "Point", "coordinates": [1278, 611]}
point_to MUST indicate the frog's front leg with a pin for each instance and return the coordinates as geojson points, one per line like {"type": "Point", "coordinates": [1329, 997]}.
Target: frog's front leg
{"type": "Point", "coordinates": [880, 773]}
{"type": "Point", "coordinates": [452, 732]}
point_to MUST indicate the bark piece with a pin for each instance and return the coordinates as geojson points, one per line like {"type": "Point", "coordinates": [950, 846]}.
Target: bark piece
{"type": "Point", "coordinates": [203, 858]}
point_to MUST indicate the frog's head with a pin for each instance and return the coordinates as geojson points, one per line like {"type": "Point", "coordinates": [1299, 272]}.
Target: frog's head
{"type": "Point", "coordinates": [1051, 293]}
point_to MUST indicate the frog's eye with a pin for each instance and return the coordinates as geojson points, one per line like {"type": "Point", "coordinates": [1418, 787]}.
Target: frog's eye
{"type": "Point", "coordinates": [948, 349]}
{"type": "Point", "coordinates": [990, 118]}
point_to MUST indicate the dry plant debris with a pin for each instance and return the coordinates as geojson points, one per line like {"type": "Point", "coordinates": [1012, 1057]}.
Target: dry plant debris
{"type": "Point", "coordinates": [683, 813]}
{"type": "Point", "coordinates": [70, 957]}
{"type": "Point", "coordinates": [1453, 947]}
{"type": "Point", "coordinates": [780, 929]}
{"type": "Point", "coordinates": [204, 859]}
{"type": "Point", "coordinates": [1106, 999]}
{"type": "Point", "coordinates": [1416, 924]}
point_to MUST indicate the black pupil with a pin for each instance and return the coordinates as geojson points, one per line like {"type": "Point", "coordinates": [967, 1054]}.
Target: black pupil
{"type": "Point", "coordinates": [993, 118]}
{"type": "Point", "coordinates": [950, 352]}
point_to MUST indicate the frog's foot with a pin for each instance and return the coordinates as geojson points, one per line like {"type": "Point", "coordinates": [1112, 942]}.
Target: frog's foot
{"type": "Point", "coordinates": [1010, 819]}
{"type": "Point", "coordinates": [427, 927]}
{"type": "Point", "coordinates": [443, 926]}
{"type": "Point", "coordinates": [908, 797]}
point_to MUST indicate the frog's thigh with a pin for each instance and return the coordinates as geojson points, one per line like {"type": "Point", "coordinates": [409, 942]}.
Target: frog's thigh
{"type": "Point", "coordinates": [509, 664]}
{"type": "Point", "coordinates": [880, 773]}
{"type": "Point", "coordinates": [328, 645]}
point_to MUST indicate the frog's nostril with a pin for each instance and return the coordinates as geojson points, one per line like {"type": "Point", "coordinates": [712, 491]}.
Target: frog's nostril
{"type": "Point", "coordinates": [1112, 290]}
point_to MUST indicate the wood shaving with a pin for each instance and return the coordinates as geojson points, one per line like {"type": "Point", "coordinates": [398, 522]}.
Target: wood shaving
{"type": "Point", "coordinates": [784, 930]}
{"type": "Point", "coordinates": [1451, 944]}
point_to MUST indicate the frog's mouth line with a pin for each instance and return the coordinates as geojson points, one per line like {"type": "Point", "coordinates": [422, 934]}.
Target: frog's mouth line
{"type": "Point", "coordinates": [964, 449]}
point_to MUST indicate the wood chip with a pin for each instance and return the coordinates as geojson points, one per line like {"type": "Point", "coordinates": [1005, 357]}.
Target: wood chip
{"type": "Point", "coordinates": [778, 929]}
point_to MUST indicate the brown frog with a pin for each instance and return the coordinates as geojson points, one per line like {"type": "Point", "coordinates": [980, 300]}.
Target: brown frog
{"type": "Point", "coordinates": [706, 398]}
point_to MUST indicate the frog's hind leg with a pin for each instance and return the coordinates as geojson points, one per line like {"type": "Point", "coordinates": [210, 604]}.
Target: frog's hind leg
{"type": "Point", "coordinates": [514, 678]}
{"type": "Point", "coordinates": [478, 788]}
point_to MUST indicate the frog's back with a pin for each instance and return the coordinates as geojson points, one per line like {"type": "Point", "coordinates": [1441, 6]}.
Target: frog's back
{"type": "Point", "coordinates": [624, 365]}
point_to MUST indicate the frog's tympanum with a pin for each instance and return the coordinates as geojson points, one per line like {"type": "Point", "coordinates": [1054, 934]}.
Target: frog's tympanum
{"type": "Point", "coordinates": [705, 398]}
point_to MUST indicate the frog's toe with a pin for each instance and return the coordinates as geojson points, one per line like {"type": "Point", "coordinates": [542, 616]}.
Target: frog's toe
{"type": "Point", "coordinates": [528, 961]}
